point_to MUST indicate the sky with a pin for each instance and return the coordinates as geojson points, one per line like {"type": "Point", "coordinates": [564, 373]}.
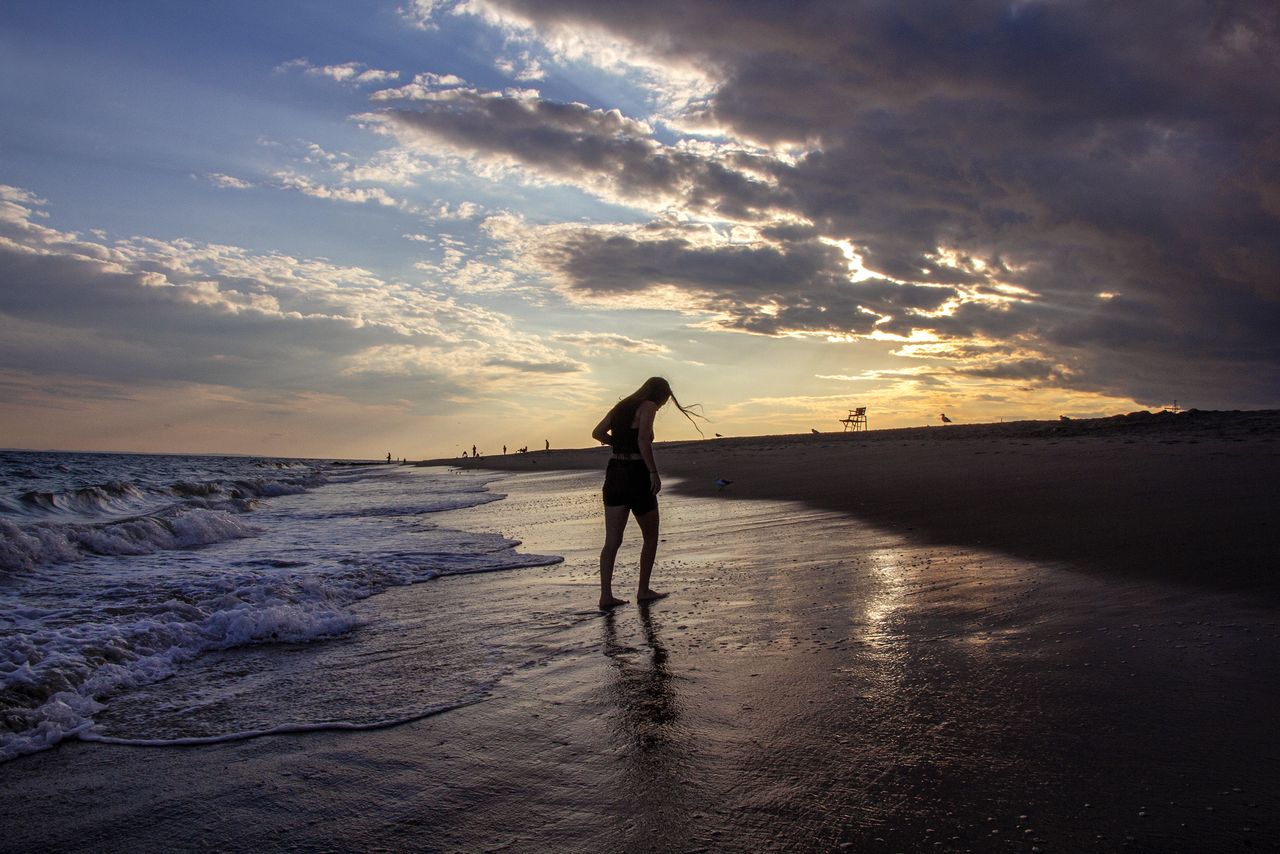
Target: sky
{"type": "Point", "coordinates": [352, 228]}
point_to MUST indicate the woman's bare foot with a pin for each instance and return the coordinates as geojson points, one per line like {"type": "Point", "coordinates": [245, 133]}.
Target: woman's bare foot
{"type": "Point", "coordinates": [650, 595]}
{"type": "Point", "coordinates": [607, 602]}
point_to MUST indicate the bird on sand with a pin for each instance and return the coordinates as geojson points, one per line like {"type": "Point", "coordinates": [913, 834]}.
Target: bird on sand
{"type": "Point", "coordinates": [722, 483]}
{"type": "Point", "coordinates": [813, 430]}
{"type": "Point", "coordinates": [719, 435]}
{"type": "Point", "coordinates": [945, 419]}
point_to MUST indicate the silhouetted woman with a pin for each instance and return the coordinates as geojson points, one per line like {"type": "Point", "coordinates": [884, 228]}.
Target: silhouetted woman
{"type": "Point", "coordinates": [631, 483]}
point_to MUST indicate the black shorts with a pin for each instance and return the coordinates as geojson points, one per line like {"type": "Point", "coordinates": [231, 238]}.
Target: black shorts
{"type": "Point", "coordinates": [627, 484]}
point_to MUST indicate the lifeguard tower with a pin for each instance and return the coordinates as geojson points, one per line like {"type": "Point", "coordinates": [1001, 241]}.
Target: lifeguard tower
{"type": "Point", "coordinates": [856, 421]}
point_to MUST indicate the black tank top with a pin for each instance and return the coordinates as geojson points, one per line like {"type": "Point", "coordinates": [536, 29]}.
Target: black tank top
{"type": "Point", "coordinates": [625, 441]}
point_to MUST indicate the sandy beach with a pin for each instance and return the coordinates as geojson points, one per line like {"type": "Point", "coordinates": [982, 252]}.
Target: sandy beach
{"type": "Point", "coordinates": [279, 281]}
{"type": "Point", "coordinates": [1188, 497]}
{"type": "Point", "coordinates": [977, 639]}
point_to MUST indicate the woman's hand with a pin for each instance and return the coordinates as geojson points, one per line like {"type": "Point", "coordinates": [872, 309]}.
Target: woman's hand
{"type": "Point", "coordinates": [655, 482]}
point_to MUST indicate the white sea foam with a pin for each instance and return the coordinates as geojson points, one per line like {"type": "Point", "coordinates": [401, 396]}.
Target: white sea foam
{"type": "Point", "coordinates": [96, 609]}
{"type": "Point", "coordinates": [22, 548]}
{"type": "Point", "coordinates": [65, 669]}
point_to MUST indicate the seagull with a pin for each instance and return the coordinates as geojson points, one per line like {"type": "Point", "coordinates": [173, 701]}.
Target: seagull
{"type": "Point", "coordinates": [722, 483]}
{"type": "Point", "coordinates": [719, 435]}
{"type": "Point", "coordinates": [945, 419]}
{"type": "Point", "coordinates": [813, 430]}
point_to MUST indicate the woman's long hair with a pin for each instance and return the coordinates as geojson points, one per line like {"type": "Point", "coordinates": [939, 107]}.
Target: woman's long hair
{"type": "Point", "coordinates": [658, 390]}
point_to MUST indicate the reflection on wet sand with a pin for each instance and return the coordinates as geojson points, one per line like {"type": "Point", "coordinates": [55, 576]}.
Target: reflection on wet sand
{"type": "Point", "coordinates": [653, 773]}
{"type": "Point", "coordinates": [642, 687]}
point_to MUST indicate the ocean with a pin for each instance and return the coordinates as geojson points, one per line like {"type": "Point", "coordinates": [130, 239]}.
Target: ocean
{"type": "Point", "coordinates": [149, 599]}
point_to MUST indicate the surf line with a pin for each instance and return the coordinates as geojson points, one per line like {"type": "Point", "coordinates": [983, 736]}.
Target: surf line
{"type": "Point", "coordinates": [283, 729]}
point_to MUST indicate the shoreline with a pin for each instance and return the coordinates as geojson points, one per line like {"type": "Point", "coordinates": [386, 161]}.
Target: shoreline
{"type": "Point", "coordinates": [813, 683]}
{"type": "Point", "coordinates": [1187, 497]}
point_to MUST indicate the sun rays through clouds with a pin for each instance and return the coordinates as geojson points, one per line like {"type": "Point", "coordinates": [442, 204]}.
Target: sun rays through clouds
{"type": "Point", "coordinates": [1007, 209]}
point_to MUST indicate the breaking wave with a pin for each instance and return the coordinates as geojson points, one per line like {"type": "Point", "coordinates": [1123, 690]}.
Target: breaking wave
{"type": "Point", "coordinates": [115, 585]}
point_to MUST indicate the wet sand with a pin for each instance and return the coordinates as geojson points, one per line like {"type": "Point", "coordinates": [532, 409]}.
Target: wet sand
{"type": "Point", "coordinates": [814, 683]}
{"type": "Point", "coordinates": [1191, 497]}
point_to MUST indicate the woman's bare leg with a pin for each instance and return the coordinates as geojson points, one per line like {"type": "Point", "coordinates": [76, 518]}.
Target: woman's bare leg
{"type": "Point", "coordinates": [615, 522]}
{"type": "Point", "coordinates": [649, 551]}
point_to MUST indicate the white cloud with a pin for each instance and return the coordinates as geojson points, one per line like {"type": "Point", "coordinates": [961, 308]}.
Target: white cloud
{"type": "Point", "coordinates": [227, 182]}
{"type": "Point", "coordinates": [607, 343]}
{"type": "Point", "coordinates": [357, 195]}
{"type": "Point", "coordinates": [426, 86]}
{"type": "Point", "coordinates": [421, 14]}
{"type": "Point", "coordinates": [673, 81]}
{"type": "Point", "coordinates": [878, 375]}
{"type": "Point", "coordinates": [352, 73]}
{"type": "Point", "coordinates": [395, 167]}
{"type": "Point", "coordinates": [525, 67]}
{"type": "Point", "coordinates": [480, 277]}
{"type": "Point", "coordinates": [604, 153]}
{"type": "Point", "coordinates": [19, 196]}
{"type": "Point", "coordinates": [460, 211]}
{"type": "Point", "coordinates": [149, 311]}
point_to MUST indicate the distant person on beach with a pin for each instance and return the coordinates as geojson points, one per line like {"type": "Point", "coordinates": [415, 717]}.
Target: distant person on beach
{"type": "Point", "coordinates": [548, 447]}
{"type": "Point", "coordinates": [631, 483]}
{"type": "Point", "coordinates": [388, 456]}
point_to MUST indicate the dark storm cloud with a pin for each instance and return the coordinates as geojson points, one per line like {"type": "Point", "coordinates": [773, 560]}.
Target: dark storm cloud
{"type": "Point", "coordinates": [599, 263]}
{"type": "Point", "coordinates": [801, 286]}
{"type": "Point", "coordinates": [1072, 148]}
{"type": "Point", "coordinates": [567, 140]}
{"type": "Point", "coordinates": [1014, 369]}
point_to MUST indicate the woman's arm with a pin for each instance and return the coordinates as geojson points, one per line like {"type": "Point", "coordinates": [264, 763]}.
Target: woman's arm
{"type": "Point", "coordinates": [644, 421]}
{"type": "Point", "coordinates": [601, 433]}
